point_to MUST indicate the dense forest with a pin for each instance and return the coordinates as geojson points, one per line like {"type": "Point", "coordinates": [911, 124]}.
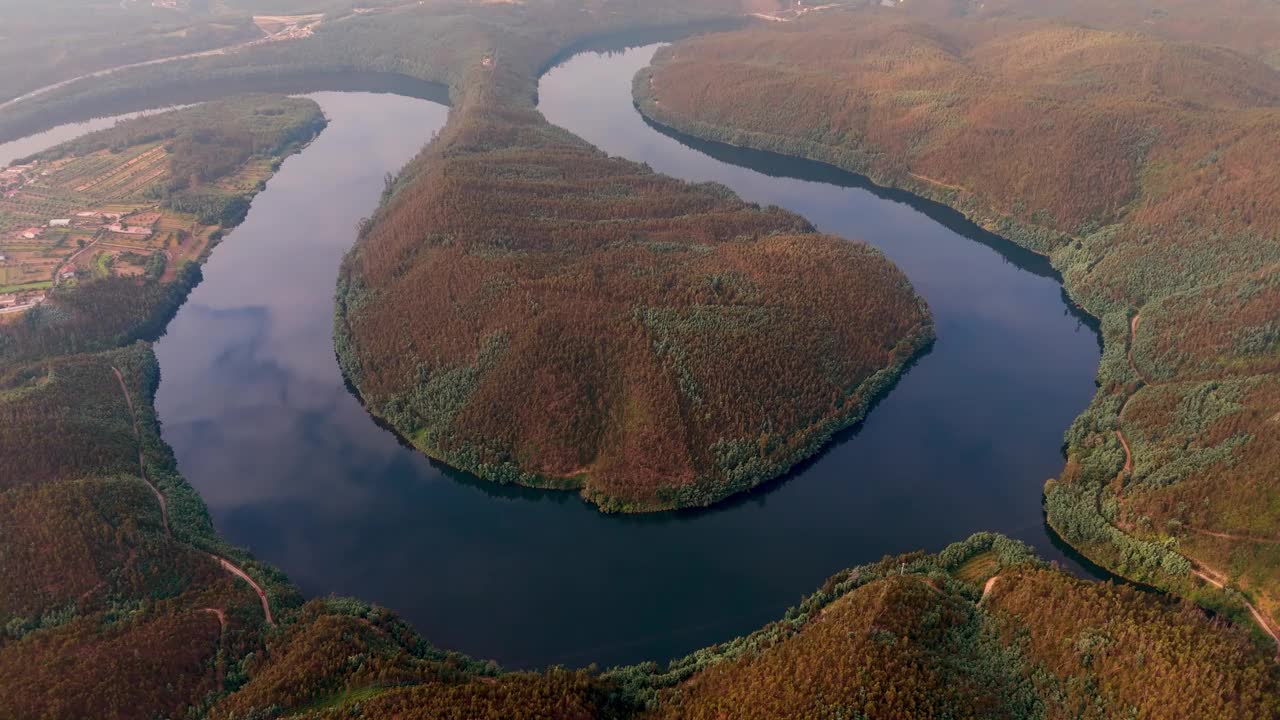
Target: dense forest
{"type": "Point", "coordinates": [981, 630]}
{"type": "Point", "coordinates": [1142, 165]}
{"type": "Point", "coordinates": [122, 604]}
{"type": "Point", "coordinates": [533, 311]}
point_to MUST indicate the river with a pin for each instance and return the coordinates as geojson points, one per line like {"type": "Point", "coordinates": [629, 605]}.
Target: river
{"type": "Point", "coordinates": [292, 467]}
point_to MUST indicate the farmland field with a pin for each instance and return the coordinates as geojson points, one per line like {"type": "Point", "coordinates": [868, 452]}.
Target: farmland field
{"type": "Point", "coordinates": [142, 199]}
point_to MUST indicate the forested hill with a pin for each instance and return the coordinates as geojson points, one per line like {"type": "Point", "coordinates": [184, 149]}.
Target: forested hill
{"type": "Point", "coordinates": [534, 311]}
{"type": "Point", "coordinates": [1144, 167]}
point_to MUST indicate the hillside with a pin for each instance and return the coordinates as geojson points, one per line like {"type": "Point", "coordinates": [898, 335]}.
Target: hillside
{"type": "Point", "coordinates": [1142, 167]}
{"type": "Point", "coordinates": [122, 603]}
{"type": "Point", "coordinates": [102, 237]}
{"type": "Point", "coordinates": [115, 603]}
{"type": "Point", "coordinates": [535, 312]}
{"type": "Point", "coordinates": [56, 40]}
{"type": "Point", "coordinates": [980, 630]}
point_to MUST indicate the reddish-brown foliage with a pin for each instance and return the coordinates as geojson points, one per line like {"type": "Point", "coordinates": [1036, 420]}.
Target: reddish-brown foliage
{"type": "Point", "coordinates": [64, 419]}
{"type": "Point", "coordinates": [532, 309]}
{"type": "Point", "coordinates": [156, 664]}
{"type": "Point", "coordinates": [1047, 124]}
{"type": "Point", "coordinates": [1105, 646]}
{"type": "Point", "coordinates": [877, 652]}
{"type": "Point", "coordinates": [1146, 167]}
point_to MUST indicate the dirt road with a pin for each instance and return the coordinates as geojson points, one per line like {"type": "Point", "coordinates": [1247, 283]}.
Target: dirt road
{"type": "Point", "coordinates": [986, 589]}
{"type": "Point", "coordinates": [1218, 580]}
{"type": "Point", "coordinates": [142, 463]}
{"type": "Point", "coordinates": [164, 507]}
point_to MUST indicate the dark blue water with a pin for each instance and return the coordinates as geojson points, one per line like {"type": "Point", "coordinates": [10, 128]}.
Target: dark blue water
{"type": "Point", "coordinates": [292, 467]}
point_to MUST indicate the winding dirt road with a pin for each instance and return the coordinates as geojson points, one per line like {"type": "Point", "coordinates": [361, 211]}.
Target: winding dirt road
{"type": "Point", "coordinates": [986, 589]}
{"type": "Point", "coordinates": [164, 508]}
{"type": "Point", "coordinates": [1128, 454]}
{"type": "Point", "coordinates": [1233, 536]}
{"type": "Point", "coordinates": [1199, 569]}
{"type": "Point", "coordinates": [120, 68]}
{"type": "Point", "coordinates": [142, 463]}
{"type": "Point", "coordinates": [262, 596]}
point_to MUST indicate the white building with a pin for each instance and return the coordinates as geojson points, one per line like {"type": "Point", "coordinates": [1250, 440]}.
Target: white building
{"type": "Point", "coordinates": [63, 222]}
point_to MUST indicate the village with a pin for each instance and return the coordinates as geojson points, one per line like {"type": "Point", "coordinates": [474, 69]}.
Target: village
{"type": "Point", "coordinates": [80, 218]}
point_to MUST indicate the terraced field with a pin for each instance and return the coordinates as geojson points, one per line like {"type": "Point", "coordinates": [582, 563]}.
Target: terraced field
{"type": "Point", "coordinates": [138, 202]}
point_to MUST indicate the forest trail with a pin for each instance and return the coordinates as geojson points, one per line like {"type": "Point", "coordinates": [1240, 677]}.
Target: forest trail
{"type": "Point", "coordinates": [164, 506]}
{"type": "Point", "coordinates": [288, 33]}
{"type": "Point", "coordinates": [1200, 570]}
{"type": "Point", "coordinates": [1128, 454]}
{"type": "Point", "coordinates": [1124, 442]}
{"type": "Point", "coordinates": [939, 183]}
{"type": "Point", "coordinates": [222, 616]}
{"type": "Point", "coordinates": [262, 596]}
{"type": "Point", "coordinates": [1233, 536]}
{"type": "Point", "coordinates": [1133, 340]}
{"type": "Point", "coordinates": [220, 672]}
{"type": "Point", "coordinates": [142, 463]}
{"type": "Point", "coordinates": [1218, 580]}
{"type": "Point", "coordinates": [1128, 460]}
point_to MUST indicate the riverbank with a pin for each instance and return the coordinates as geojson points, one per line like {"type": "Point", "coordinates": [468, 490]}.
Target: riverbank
{"type": "Point", "coordinates": [1080, 505]}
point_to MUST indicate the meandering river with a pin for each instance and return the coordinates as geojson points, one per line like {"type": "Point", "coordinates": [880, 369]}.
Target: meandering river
{"type": "Point", "coordinates": [292, 467]}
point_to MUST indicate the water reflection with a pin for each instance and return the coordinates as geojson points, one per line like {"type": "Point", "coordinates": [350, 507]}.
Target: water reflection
{"type": "Point", "coordinates": [292, 466]}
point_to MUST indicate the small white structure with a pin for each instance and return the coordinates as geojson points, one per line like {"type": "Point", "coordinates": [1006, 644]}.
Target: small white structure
{"type": "Point", "coordinates": [28, 235]}
{"type": "Point", "coordinates": [61, 222]}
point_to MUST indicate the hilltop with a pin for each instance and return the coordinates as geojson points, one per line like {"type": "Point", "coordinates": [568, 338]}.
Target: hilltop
{"type": "Point", "coordinates": [102, 237]}
{"type": "Point", "coordinates": [534, 311]}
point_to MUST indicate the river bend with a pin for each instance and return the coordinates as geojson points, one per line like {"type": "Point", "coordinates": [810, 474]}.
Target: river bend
{"type": "Point", "coordinates": [292, 467]}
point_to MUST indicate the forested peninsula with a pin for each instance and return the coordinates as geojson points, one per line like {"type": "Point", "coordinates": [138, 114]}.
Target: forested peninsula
{"type": "Point", "coordinates": [1141, 165]}
{"type": "Point", "coordinates": [536, 312]}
